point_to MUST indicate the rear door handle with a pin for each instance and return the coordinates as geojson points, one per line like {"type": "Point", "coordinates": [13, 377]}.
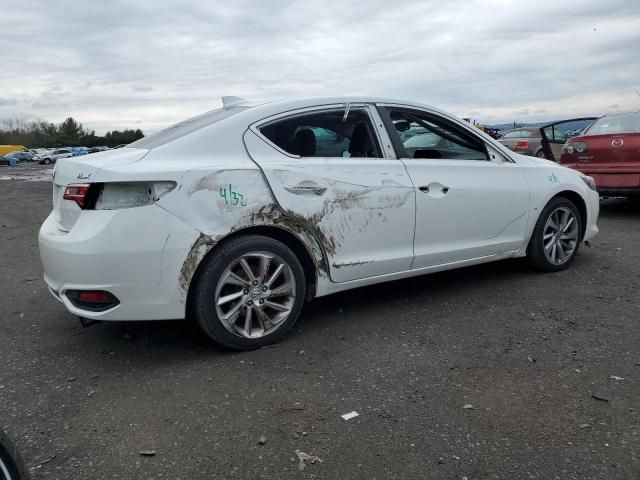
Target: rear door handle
{"type": "Point", "coordinates": [306, 188]}
{"type": "Point", "coordinates": [427, 189]}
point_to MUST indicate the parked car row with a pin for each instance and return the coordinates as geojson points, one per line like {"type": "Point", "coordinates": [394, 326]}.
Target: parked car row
{"type": "Point", "coordinates": [45, 156]}
{"type": "Point", "coordinates": [605, 148]}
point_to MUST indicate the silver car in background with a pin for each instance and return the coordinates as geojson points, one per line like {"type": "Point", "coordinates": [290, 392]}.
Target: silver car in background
{"type": "Point", "coordinates": [525, 140]}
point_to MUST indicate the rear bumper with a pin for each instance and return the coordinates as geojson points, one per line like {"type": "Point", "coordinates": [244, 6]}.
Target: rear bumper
{"type": "Point", "coordinates": [135, 254]}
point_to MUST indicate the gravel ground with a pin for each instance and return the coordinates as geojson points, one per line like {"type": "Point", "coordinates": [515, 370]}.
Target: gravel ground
{"type": "Point", "coordinates": [481, 373]}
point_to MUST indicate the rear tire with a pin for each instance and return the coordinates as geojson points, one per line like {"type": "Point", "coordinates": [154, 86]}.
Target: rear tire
{"type": "Point", "coordinates": [46, 161]}
{"type": "Point", "coordinates": [540, 154]}
{"type": "Point", "coordinates": [249, 292]}
{"type": "Point", "coordinates": [556, 237]}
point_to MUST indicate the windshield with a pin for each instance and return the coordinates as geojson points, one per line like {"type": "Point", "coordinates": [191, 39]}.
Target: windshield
{"type": "Point", "coordinates": [617, 123]}
{"type": "Point", "coordinates": [186, 127]}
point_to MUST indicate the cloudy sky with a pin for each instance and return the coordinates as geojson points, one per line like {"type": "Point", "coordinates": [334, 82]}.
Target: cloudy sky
{"type": "Point", "coordinates": [148, 63]}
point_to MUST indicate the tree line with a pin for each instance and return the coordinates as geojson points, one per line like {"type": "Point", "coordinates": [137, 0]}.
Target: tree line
{"type": "Point", "coordinates": [70, 133]}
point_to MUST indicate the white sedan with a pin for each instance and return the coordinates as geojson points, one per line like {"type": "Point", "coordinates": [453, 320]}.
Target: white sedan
{"type": "Point", "coordinates": [239, 215]}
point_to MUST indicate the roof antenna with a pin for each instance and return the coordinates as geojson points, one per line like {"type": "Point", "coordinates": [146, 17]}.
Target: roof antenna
{"type": "Point", "coordinates": [228, 102]}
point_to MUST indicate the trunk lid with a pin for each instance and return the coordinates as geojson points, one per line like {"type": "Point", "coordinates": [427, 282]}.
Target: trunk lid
{"type": "Point", "coordinates": [84, 169]}
{"type": "Point", "coordinates": [611, 150]}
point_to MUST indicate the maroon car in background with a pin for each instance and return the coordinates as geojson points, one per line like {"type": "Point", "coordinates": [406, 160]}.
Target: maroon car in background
{"type": "Point", "coordinates": [609, 151]}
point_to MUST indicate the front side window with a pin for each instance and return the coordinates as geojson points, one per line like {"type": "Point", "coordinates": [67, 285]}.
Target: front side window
{"type": "Point", "coordinates": [425, 136]}
{"type": "Point", "coordinates": [325, 134]}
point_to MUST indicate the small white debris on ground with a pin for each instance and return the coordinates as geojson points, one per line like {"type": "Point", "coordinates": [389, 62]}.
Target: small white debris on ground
{"type": "Point", "coordinates": [303, 458]}
{"type": "Point", "coordinates": [350, 415]}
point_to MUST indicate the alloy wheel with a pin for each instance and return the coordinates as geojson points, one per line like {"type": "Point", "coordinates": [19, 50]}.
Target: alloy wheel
{"type": "Point", "coordinates": [560, 235]}
{"type": "Point", "coordinates": [255, 294]}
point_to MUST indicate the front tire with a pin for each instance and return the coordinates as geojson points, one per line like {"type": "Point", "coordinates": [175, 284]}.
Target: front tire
{"type": "Point", "coordinates": [11, 463]}
{"type": "Point", "coordinates": [556, 237]}
{"type": "Point", "coordinates": [249, 293]}
{"type": "Point", "coordinates": [46, 161]}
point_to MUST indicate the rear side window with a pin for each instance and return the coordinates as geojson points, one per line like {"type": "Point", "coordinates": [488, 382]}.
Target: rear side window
{"type": "Point", "coordinates": [325, 134]}
{"type": "Point", "coordinates": [186, 127]}
{"type": "Point", "coordinates": [618, 123]}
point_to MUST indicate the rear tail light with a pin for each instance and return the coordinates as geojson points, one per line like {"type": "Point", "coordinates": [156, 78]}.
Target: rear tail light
{"type": "Point", "coordinates": [522, 145]}
{"type": "Point", "coordinates": [81, 193]}
{"type": "Point", "coordinates": [92, 300]}
{"type": "Point", "coordinates": [116, 195]}
{"type": "Point", "coordinates": [575, 147]}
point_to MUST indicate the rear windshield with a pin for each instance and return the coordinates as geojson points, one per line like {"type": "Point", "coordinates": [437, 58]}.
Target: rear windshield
{"type": "Point", "coordinates": [186, 127]}
{"type": "Point", "coordinates": [520, 134]}
{"type": "Point", "coordinates": [618, 123]}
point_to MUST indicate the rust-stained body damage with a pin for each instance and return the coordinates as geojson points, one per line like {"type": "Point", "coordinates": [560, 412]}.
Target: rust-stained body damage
{"type": "Point", "coordinates": [230, 202]}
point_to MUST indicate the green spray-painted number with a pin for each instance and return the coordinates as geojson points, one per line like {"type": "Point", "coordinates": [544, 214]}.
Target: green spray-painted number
{"type": "Point", "coordinates": [232, 197]}
{"type": "Point", "coordinates": [553, 178]}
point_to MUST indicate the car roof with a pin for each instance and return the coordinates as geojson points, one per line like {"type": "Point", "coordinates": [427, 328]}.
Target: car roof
{"type": "Point", "coordinates": [274, 107]}
{"type": "Point", "coordinates": [531, 129]}
{"type": "Point", "coordinates": [623, 112]}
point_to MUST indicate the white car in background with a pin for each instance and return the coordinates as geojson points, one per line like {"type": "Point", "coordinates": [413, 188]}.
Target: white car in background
{"type": "Point", "coordinates": [53, 155]}
{"type": "Point", "coordinates": [239, 215]}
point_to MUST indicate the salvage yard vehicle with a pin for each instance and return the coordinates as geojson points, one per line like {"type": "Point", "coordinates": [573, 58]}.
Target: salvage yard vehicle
{"type": "Point", "coordinates": [4, 149]}
{"type": "Point", "coordinates": [20, 156]}
{"type": "Point", "coordinates": [11, 463]}
{"type": "Point", "coordinates": [525, 140]}
{"type": "Point", "coordinates": [52, 156]}
{"type": "Point", "coordinates": [237, 216]}
{"type": "Point", "coordinates": [609, 151]}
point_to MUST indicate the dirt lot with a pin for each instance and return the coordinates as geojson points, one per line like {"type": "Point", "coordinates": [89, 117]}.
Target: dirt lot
{"type": "Point", "coordinates": [549, 363]}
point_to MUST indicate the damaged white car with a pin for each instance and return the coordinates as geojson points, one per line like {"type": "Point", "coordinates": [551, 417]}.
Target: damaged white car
{"type": "Point", "coordinates": [238, 216]}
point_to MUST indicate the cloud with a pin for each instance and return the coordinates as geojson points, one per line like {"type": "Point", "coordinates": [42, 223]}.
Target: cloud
{"type": "Point", "coordinates": [7, 102]}
{"type": "Point", "coordinates": [490, 59]}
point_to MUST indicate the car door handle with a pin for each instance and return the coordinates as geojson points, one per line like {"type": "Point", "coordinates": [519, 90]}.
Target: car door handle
{"type": "Point", "coordinates": [433, 188]}
{"type": "Point", "coordinates": [306, 188]}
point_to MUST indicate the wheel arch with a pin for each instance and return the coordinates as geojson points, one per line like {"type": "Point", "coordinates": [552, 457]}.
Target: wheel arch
{"type": "Point", "coordinates": [579, 202]}
{"type": "Point", "coordinates": [311, 265]}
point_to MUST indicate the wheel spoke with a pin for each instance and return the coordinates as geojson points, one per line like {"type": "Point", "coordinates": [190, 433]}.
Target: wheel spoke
{"type": "Point", "coordinates": [281, 290]}
{"type": "Point", "coordinates": [247, 269]}
{"type": "Point", "coordinates": [568, 224]}
{"type": "Point", "coordinates": [561, 253]}
{"type": "Point", "coordinates": [263, 319]}
{"type": "Point", "coordinates": [233, 312]}
{"type": "Point", "coordinates": [247, 321]}
{"type": "Point", "coordinates": [230, 297]}
{"type": "Point", "coordinates": [234, 279]}
{"type": "Point", "coordinates": [276, 306]}
{"type": "Point", "coordinates": [275, 275]}
{"type": "Point", "coordinates": [265, 263]}
{"type": "Point", "coordinates": [549, 244]}
{"type": "Point", "coordinates": [548, 236]}
{"type": "Point", "coordinates": [554, 258]}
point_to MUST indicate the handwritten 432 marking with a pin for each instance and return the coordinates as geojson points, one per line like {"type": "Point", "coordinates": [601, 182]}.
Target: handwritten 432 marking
{"type": "Point", "coordinates": [232, 197]}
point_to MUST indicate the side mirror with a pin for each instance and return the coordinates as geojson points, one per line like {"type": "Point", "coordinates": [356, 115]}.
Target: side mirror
{"type": "Point", "coordinates": [402, 125]}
